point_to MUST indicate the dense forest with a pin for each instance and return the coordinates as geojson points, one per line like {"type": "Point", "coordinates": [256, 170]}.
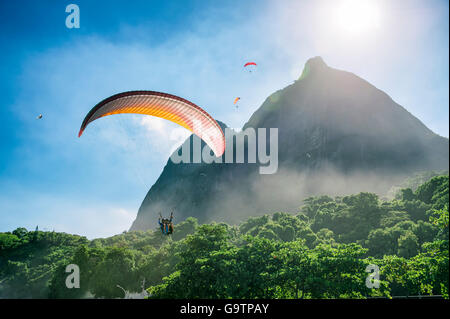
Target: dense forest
{"type": "Point", "coordinates": [320, 251]}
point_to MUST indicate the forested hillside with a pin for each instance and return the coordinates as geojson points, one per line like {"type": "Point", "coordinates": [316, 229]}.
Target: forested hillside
{"type": "Point", "coordinates": [320, 251]}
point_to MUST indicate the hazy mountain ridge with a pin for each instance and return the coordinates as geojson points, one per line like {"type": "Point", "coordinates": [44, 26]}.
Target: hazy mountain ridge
{"type": "Point", "coordinates": [338, 134]}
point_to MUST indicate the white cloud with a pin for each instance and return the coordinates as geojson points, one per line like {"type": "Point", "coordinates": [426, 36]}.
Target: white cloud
{"type": "Point", "coordinates": [164, 135]}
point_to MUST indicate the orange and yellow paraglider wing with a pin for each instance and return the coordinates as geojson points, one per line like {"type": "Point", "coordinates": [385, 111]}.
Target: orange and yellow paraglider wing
{"type": "Point", "coordinates": [236, 99]}
{"type": "Point", "coordinates": [153, 110]}
{"type": "Point", "coordinates": [166, 106]}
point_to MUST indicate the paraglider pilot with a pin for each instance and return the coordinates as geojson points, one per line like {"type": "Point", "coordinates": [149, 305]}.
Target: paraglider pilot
{"type": "Point", "coordinates": [165, 224]}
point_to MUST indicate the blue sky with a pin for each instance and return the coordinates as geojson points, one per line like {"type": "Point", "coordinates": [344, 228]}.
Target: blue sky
{"type": "Point", "coordinates": [94, 185]}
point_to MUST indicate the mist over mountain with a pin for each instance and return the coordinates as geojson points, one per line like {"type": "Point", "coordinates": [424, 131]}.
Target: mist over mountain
{"type": "Point", "coordinates": [337, 135]}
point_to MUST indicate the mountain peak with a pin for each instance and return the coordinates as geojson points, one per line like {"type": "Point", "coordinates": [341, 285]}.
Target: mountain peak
{"type": "Point", "coordinates": [315, 62]}
{"type": "Point", "coordinates": [312, 65]}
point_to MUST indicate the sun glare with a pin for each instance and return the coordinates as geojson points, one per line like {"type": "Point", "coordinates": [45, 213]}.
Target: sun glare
{"type": "Point", "coordinates": [356, 17]}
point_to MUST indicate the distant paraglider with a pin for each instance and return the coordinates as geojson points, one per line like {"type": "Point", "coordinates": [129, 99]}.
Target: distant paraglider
{"type": "Point", "coordinates": [235, 102]}
{"type": "Point", "coordinates": [39, 117]}
{"type": "Point", "coordinates": [166, 106]}
{"type": "Point", "coordinates": [249, 66]}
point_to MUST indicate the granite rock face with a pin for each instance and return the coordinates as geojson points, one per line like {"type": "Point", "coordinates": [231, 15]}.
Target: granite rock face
{"type": "Point", "coordinates": [337, 134]}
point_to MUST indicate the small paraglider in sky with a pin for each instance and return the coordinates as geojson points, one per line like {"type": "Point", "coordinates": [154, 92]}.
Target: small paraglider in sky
{"type": "Point", "coordinates": [235, 101]}
{"type": "Point", "coordinates": [39, 117]}
{"type": "Point", "coordinates": [249, 66]}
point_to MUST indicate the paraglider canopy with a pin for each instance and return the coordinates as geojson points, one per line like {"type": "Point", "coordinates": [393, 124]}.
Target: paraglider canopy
{"type": "Point", "coordinates": [166, 106]}
{"type": "Point", "coordinates": [236, 99]}
{"type": "Point", "coordinates": [249, 63]}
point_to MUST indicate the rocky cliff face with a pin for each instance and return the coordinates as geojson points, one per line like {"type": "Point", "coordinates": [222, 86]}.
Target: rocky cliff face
{"type": "Point", "coordinates": [337, 134]}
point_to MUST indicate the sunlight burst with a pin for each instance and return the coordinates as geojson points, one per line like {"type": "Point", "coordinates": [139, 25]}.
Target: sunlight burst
{"type": "Point", "coordinates": [356, 17]}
